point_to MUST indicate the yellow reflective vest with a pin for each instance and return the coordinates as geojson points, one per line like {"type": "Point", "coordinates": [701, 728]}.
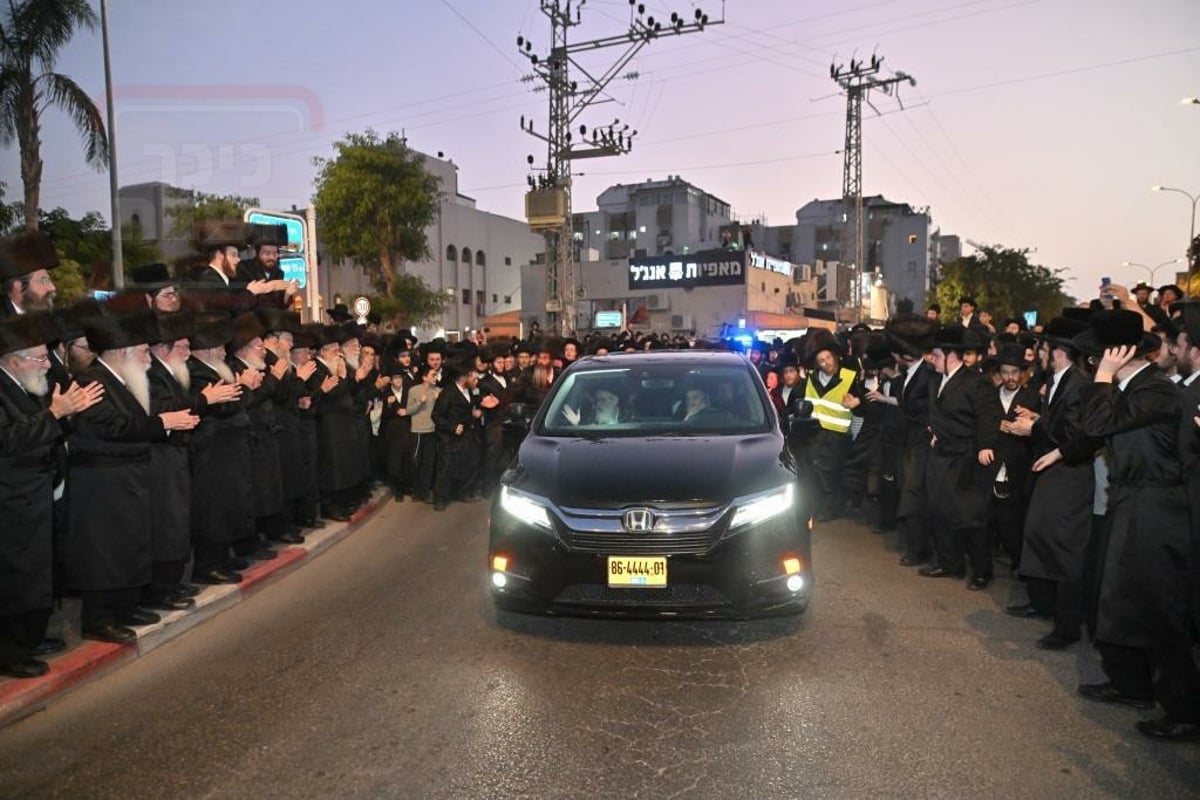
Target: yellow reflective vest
{"type": "Point", "coordinates": [828, 409]}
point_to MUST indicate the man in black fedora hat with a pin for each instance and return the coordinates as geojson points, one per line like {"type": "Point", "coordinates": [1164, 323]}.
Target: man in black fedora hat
{"type": "Point", "coordinates": [339, 314]}
{"type": "Point", "coordinates": [911, 340]}
{"type": "Point", "coordinates": [969, 315]}
{"type": "Point", "coordinates": [1058, 522]}
{"type": "Point", "coordinates": [264, 266]}
{"type": "Point", "coordinates": [1145, 624]}
{"type": "Point", "coordinates": [216, 283]}
{"type": "Point", "coordinates": [25, 264]}
{"type": "Point", "coordinates": [964, 421]}
{"type": "Point", "coordinates": [31, 435]}
{"type": "Point", "coordinates": [108, 551]}
{"type": "Point", "coordinates": [1014, 454]}
{"type": "Point", "coordinates": [162, 290]}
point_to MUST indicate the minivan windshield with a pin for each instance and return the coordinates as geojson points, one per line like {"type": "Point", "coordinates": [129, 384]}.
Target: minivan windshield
{"type": "Point", "coordinates": [657, 399]}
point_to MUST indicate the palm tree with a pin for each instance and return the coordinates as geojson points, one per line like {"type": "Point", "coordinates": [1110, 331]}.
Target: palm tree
{"type": "Point", "coordinates": [31, 34]}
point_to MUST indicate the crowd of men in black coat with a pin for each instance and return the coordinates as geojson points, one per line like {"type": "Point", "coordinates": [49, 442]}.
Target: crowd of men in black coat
{"type": "Point", "coordinates": [1071, 450]}
{"type": "Point", "coordinates": [152, 445]}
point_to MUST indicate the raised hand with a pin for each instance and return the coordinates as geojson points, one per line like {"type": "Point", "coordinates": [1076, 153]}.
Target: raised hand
{"type": "Point", "coordinates": [179, 420]}
{"type": "Point", "coordinates": [77, 398]}
{"type": "Point", "coordinates": [217, 393]}
{"type": "Point", "coordinates": [306, 372]}
{"type": "Point", "coordinates": [251, 379]}
{"type": "Point", "coordinates": [279, 368]}
{"type": "Point", "coordinates": [330, 383]}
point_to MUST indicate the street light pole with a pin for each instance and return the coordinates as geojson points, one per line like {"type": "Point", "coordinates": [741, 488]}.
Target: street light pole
{"type": "Point", "coordinates": [1192, 229]}
{"type": "Point", "coordinates": [118, 260]}
{"type": "Point", "coordinates": [1153, 270]}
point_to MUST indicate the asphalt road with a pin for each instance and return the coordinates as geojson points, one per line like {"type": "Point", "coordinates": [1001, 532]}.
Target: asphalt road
{"type": "Point", "coordinates": [381, 670]}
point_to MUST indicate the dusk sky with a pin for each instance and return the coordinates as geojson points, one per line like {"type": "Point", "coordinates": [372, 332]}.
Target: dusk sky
{"type": "Point", "coordinates": [1034, 123]}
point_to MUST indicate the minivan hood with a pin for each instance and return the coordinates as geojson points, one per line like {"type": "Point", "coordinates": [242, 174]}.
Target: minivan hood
{"type": "Point", "coordinates": [613, 472]}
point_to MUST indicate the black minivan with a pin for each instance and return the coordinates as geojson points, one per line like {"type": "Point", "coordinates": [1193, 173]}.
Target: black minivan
{"type": "Point", "coordinates": [653, 484]}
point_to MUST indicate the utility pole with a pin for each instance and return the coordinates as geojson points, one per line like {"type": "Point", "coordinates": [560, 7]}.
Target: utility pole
{"type": "Point", "coordinates": [548, 201]}
{"type": "Point", "coordinates": [118, 256]}
{"type": "Point", "coordinates": [857, 80]}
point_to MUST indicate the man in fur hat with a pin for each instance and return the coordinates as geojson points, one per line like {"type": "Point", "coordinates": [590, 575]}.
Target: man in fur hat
{"type": "Point", "coordinates": [1058, 521]}
{"type": "Point", "coordinates": [911, 339]}
{"type": "Point", "coordinates": [246, 352]}
{"type": "Point", "coordinates": [162, 291]}
{"type": "Point", "coordinates": [222, 497]}
{"type": "Point", "coordinates": [964, 421]}
{"type": "Point", "coordinates": [1145, 621]}
{"type": "Point", "coordinates": [31, 434]}
{"type": "Point", "coordinates": [107, 553]}
{"type": "Point", "coordinates": [25, 264]}
{"type": "Point", "coordinates": [170, 475]}
{"type": "Point", "coordinates": [216, 282]}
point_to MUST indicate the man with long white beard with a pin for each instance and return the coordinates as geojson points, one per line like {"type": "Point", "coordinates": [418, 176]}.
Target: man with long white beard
{"type": "Point", "coordinates": [222, 497]}
{"type": "Point", "coordinates": [107, 551]}
{"type": "Point", "coordinates": [170, 475]}
{"type": "Point", "coordinates": [248, 353]}
{"type": "Point", "coordinates": [31, 432]}
{"type": "Point", "coordinates": [25, 262]}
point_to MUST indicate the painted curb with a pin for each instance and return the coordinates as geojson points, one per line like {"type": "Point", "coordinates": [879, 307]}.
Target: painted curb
{"type": "Point", "coordinates": [20, 698]}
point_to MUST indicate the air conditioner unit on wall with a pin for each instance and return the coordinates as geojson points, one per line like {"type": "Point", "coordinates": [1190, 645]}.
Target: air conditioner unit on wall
{"type": "Point", "coordinates": [682, 322]}
{"type": "Point", "coordinates": [658, 302]}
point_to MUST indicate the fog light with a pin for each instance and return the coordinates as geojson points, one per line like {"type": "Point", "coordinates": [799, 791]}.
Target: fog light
{"type": "Point", "coordinates": [500, 580]}
{"type": "Point", "coordinates": [791, 565]}
{"type": "Point", "coordinates": [500, 563]}
{"type": "Point", "coordinates": [795, 583]}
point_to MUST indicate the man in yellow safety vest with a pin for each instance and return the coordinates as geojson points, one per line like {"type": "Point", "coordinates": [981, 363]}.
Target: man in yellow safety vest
{"type": "Point", "coordinates": [836, 395]}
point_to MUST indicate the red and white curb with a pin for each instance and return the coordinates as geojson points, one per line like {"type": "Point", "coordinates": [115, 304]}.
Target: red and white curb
{"type": "Point", "coordinates": [20, 698]}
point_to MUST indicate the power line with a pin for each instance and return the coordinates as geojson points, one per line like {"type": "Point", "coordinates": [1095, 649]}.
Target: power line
{"type": "Point", "coordinates": [482, 35]}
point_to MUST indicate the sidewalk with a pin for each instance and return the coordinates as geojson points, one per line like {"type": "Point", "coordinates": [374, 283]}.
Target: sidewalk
{"type": "Point", "coordinates": [20, 698]}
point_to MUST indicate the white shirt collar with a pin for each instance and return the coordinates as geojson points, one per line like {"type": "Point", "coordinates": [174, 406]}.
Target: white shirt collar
{"type": "Point", "coordinates": [100, 359]}
{"type": "Point", "coordinates": [1136, 372]}
{"type": "Point", "coordinates": [220, 272]}
{"type": "Point", "coordinates": [1190, 379]}
{"type": "Point", "coordinates": [946, 378]}
{"type": "Point", "coordinates": [14, 380]}
{"type": "Point", "coordinates": [166, 366]}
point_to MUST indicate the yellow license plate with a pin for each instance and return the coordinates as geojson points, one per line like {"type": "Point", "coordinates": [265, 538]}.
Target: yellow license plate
{"type": "Point", "coordinates": [637, 572]}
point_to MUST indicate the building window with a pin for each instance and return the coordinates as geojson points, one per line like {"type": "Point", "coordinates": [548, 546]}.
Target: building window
{"type": "Point", "coordinates": [136, 220]}
{"type": "Point", "coordinates": [466, 297]}
{"type": "Point", "coordinates": [508, 259]}
{"type": "Point", "coordinates": [912, 268]}
{"type": "Point", "coordinates": [494, 300]}
{"type": "Point", "coordinates": [466, 255]}
{"type": "Point", "coordinates": [480, 298]}
{"type": "Point", "coordinates": [508, 299]}
{"type": "Point", "coordinates": [480, 259]}
{"type": "Point", "coordinates": [451, 253]}
{"type": "Point", "coordinates": [912, 238]}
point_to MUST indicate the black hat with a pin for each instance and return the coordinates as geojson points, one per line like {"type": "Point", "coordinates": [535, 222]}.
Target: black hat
{"type": "Point", "coordinates": [911, 335]}
{"type": "Point", "coordinates": [1018, 321]}
{"type": "Point", "coordinates": [246, 328]}
{"type": "Point", "coordinates": [151, 277]}
{"type": "Point", "coordinates": [818, 341]}
{"type": "Point", "coordinates": [860, 326]}
{"type": "Point", "coordinates": [787, 360]}
{"type": "Point", "coordinates": [27, 252]}
{"type": "Point", "coordinates": [21, 332]}
{"type": "Point", "coordinates": [1116, 328]}
{"type": "Point", "coordinates": [524, 347]}
{"type": "Point", "coordinates": [212, 329]}
{"type": "Point", "coordinates": [306, 338]}
{"type": "Point", "coordinates": [374, 318]}
{"type": "Point", "coordinates": [351, 330]}
{"type": "Point", "coordinates": [107, 333]}
{"type": "Point", "coordinates": [1012, 355]}
{"type": "Point", "coordinates": [1170, 287]}
{"type": "Point", "coordinates": [968, 300]}
{"type": "Point", "coordinates": [1189, 321]}
{"type": "Point", "coordinates": [1142, 286]}
{"type": "Point", "coordinates": [1061, 331]}
{"type": "Point", "coordinates": [277, 320]}
{"type": "Point", "coordinates": [958, 338]}
{"type": "Point", "coordinates": [260, 235]}
{"type": "Point", "coordinates": [878, 354]}
{"type": "Point", "coordinates": [72, 318]}
{"type": "Point", "coordinates": [214, 234]}
{"type": "Point", "coordinates": [339, 313]}
{"type": "Point", "coordinates": [176, 325]}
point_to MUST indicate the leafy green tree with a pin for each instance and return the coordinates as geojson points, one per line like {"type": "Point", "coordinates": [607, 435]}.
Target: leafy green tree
{"type": "Point", "coordinates": [87, 243]}
{"type": "Point", "coordinates": [191, 207]}
{"type": "Point", "coordinates": [1004, 283]}
{"type": "Point", "coordinates": [411, 302]}
{"type": "Point", "coordinates": [32, 32]}
{"type": "Point", "coordinates": [374, 200]}
{"type": "Point", "coordinates": [69, 282]}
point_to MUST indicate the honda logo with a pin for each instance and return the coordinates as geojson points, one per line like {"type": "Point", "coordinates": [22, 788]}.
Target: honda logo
{"type": "Point", "coordinates": [637, 520]}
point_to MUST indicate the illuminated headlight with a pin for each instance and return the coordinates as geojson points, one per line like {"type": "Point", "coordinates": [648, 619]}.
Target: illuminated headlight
{"type": "Point", "coordinates": [524, 509]}
{"type": "Point", "coordinates": [499, 580]}
{"type": "Point", "coordinates": [764, 506]}
{"type": "Point", "coordinates": [795, 583]}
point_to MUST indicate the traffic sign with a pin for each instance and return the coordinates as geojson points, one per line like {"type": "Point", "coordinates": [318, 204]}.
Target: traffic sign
{"type": "Point", "coordinates": [294, 269]}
